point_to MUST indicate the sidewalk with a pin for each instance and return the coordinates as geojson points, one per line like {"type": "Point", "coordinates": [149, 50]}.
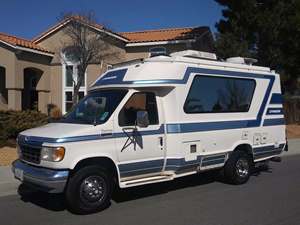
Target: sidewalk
{"type": "Point", "coordinates": [9, 185]}
{"type": "Point", "coordinates": [294, 147]}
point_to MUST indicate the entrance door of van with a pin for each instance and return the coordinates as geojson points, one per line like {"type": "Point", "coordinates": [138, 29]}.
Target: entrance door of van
{"type": "Point", "coordinates": [140, 150]}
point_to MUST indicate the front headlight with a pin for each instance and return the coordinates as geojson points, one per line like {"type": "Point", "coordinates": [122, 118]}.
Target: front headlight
{"type": "Point", "coordinates": [53, 154]}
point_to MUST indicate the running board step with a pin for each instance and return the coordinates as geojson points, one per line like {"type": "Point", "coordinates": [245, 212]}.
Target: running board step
{"type": "Point", "coordinates": [146, 180]}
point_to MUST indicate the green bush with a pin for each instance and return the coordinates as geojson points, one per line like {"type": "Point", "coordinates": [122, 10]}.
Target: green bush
{"type": "Point", "coordinates": [13, 122]}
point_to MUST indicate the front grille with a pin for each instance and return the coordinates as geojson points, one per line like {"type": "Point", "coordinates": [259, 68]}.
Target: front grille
{"type": "Point", "coordinates": [30, 154]}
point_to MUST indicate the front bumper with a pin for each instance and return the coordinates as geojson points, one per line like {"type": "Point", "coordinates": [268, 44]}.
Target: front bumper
{"type": "Point", "coordinates": [48, 180]}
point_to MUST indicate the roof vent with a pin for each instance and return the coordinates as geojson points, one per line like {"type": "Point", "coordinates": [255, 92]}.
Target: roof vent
{"type": "Point", "coordinates": [241, 60]}
{"type": "Point", "coordinates": [195, 54]}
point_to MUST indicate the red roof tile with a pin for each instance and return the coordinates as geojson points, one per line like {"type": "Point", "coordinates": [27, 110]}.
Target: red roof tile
{"type": "Point", "coordinates": [15, 41]}
{"type": "Point", "coordinates": [164, 34]}
{"type": "Point", "coordinates": [137, 36]}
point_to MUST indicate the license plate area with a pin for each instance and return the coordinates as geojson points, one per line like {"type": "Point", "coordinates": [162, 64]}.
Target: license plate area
{"type": "Point", "coordinates": [19, 174]}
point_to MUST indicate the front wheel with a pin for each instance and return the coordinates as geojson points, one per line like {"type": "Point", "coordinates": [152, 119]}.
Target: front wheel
{"type": "Point", "coordinates": [238, 167]}
{"type": "Point", "coordinates": [89, 190]}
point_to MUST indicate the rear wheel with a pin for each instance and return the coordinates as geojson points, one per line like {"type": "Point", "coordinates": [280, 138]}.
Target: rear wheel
{"type": "Point", "coordinates": [89, 190]}
{"type": "Point", "coordinates": [238, 167]}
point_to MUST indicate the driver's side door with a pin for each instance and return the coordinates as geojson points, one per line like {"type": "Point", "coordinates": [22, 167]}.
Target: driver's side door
{"type": "Point", "coordinates": [140, 150]}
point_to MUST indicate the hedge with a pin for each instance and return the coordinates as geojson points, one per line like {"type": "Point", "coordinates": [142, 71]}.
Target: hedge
{"type": "Point", "coordinates": [13, 122]}
{"type": "Point", "coordinates": [292, 110]}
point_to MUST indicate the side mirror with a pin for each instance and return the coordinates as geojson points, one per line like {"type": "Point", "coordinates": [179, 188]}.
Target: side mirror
{"type": "Point", "coordinates": [142, 119]}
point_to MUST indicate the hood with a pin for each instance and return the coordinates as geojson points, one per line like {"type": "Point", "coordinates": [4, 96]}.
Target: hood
{"type": "Point", "coordinates": [59, 130]}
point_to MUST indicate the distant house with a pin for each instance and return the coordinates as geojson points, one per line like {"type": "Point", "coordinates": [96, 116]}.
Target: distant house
{"type": "Point", "coordinates": [32, 74]}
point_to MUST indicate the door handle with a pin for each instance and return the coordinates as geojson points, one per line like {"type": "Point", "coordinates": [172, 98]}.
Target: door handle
{"type": "Point", "coordinates": [161, 142]}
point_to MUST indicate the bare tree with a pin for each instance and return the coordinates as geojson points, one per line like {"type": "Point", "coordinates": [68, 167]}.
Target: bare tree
{"type": "Point", "coordinates": [85, 44]}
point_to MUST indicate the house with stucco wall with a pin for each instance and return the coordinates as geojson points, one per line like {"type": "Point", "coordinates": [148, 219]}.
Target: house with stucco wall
{"type": "Point", "coordinates": [33, 76]}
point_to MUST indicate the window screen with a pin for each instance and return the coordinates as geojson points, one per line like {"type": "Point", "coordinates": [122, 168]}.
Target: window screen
{"type": "Point", "coordinates": [156, 51]}
{"type": "Point", "coordinates": [143, 101]}
{"type": "Point", "coordinates": [210, 94]}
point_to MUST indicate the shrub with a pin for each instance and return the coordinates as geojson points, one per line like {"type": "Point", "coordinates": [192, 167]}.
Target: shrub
{"type": "Point", "coordinates": [55, 113]}
{"type": "Point", "coordinates": [13, 122]}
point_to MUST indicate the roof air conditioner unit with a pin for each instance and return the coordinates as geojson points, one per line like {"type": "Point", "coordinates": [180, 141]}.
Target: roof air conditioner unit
{"type": "Point", "coordinates": [195, 54]}
{"type": "Point", "coordinates": [241, 60]}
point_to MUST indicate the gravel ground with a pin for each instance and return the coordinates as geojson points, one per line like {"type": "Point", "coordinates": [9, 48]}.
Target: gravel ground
{"type": "Point", "coordinates": [7, 156]}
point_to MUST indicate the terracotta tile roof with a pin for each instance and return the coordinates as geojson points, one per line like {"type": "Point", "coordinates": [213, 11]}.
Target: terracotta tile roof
{"type": "Point", "coordinates": [164, 34]}
{"type": "Point", "coordinates": [15, 41]}
{"type": "Point", "coordinates": [137, 36]}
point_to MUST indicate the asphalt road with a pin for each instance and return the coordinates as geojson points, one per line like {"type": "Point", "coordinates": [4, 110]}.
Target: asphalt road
{"type": "Point", "coordinates": [270, 197]}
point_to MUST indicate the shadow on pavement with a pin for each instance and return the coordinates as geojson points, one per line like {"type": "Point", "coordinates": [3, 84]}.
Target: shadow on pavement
{"type": "Point", "coordinates": [265, 168]}
{"type": "Point", "coordinates": [56, 202]}
{"type": "Point", "coordinates": [53, 202]}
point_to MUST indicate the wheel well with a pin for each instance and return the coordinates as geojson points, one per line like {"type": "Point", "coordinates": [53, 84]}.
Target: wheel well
{"type": "Point", "coordinates": [246, 148]}
{"type": "Point", "coordinates": [104, 162]}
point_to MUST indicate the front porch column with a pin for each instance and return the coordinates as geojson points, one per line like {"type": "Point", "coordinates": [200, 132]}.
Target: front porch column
{"type": "Point", "coordinates": [43, 101]}
{"type": "Point", "coordinates": [15, 99]}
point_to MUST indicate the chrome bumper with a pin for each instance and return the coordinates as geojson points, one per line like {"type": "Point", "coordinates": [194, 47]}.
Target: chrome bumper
{"type": "Point", "coordinates": [48, 180]}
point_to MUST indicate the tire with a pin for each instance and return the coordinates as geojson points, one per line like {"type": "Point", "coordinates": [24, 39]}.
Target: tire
{"type": "Point", "coordinates": [238, 168]}
{"type": "Point", "coordinates": [89, 190]}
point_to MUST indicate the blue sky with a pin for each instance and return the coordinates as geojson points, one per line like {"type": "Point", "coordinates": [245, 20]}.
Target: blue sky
{"type": "Point", "coordinates": [28, 18]}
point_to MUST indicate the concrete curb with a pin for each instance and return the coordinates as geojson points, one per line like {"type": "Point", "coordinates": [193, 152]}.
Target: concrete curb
{"type": "Point", "coordinates": [9, 185]}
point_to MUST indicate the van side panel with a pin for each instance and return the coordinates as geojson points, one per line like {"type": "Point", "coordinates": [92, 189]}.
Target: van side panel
{"type": "Point", "coordinates": [203, 140]}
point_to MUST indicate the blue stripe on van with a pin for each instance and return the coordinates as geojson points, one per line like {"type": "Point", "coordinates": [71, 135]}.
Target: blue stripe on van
{"type": "Point", "coordinates": [213, 160]}
{"type": "Point", "coordinates": [208, 126]}
{"type": "Point", "coordinates": [136, 168]}
{"type": "Point", "coordinates": [276, 98]}
{"type": "Point", "coordinates": [41, 140]}
{"type": "Point", "coordinates": [111, 77]}
{"type": "Point", "coordinates": [266, 151]}
{"type": "Point", "coordinates": [213, 157]}
{"type": "Point", "coordinates": [116, 77]}
{"type": "Point", "coordinates": [274, 122]}
{"type": "Point", "coordinates": [171, 129]}
{"type": "Point", "coordinates": [179, 164]}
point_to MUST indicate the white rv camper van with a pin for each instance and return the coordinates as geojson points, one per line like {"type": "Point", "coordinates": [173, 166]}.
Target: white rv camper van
{"type": "Point", "coordinates": [156, 120]}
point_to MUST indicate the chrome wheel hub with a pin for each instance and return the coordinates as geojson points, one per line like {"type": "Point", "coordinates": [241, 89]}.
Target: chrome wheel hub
{"type": "Point", "coordinates": [93, 189]}
{"type": "Point", "coordinates": [242, 167]}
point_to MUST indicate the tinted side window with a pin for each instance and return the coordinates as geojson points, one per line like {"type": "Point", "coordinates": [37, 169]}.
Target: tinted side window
{"type": "Point", "coordinates": [144, 101]}
{"type": "Point", "coordinates": [210, 94]}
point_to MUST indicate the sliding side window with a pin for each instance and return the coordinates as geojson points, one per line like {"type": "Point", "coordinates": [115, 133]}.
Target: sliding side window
{"type": "Point", "coordinates": [212, 94]}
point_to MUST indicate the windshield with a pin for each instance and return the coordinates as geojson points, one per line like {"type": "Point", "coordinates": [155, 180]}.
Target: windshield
{"type": "Point", "coordinates": [95, 108]}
